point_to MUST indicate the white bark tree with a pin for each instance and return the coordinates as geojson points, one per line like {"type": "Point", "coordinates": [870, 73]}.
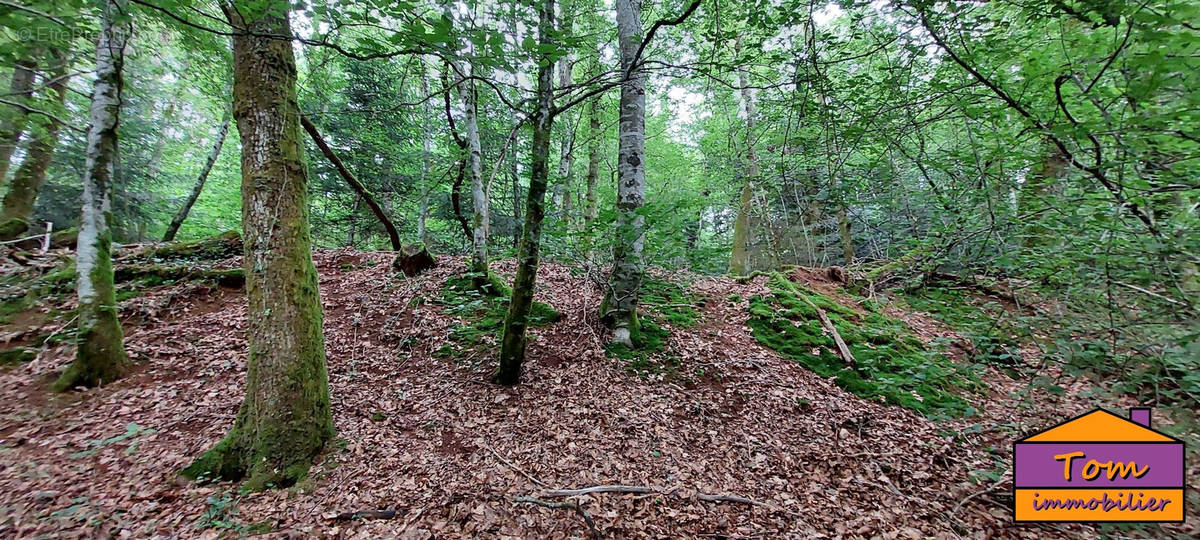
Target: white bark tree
{"type": "Point", "coordinates": [100, 356]}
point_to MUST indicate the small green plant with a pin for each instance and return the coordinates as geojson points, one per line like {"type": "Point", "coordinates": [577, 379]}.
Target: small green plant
{"type": "Point", "coordinates": [132, 432]}
{"type": "Point", "coordinates": [221, 515]}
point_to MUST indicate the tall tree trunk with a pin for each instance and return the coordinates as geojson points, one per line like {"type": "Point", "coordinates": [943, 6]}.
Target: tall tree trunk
{"type": "Point", "coordinates": [619, 309]}
{"type": "Point", "coordinates": [22, 195]}
{"type": "Point", "coordinates": [739, 258]}
{"type": "Point", "coordinates": [1044, 181]}
{"type": "Point", "coordinates": [474, 168]}
{"type": "Point", "coordinates": [593, 171]}
{"type": "Point", "coordinates": [284, 420]}
{"type": "Point", "coordinates": [213, 154]}
{"type": "Point", "coordinates": [100, 355]}
{"type": "Point", "coordinates": [426, 161]}
{"type": "Point", "coordinates": [512, 346]}
{"type": "Point", "coordinates": [516, 194]}
{"type": "Point", "coordinates": [361, 190]}
{"type": "Point", "coordinates": [10, 131]}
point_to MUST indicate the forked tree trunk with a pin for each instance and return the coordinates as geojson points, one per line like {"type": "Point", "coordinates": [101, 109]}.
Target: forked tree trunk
{"type": "Point", "coordinates": [22, 195]}
{"type": "Point", "coordinates": [20, 89]}
{"type": "Point", "coordinates": [619, 308]}
{"type": "Point", "coordinates": [284, 420]}
{"type": "Point", "coordinates": [361, 190]}
{"type": "Point", "coordinates": [512, 346]}
{"type": "Point", "coordinates": [100, 355]}
{"type": "Point", "coordinates": [739, 263]}
{"type": "Point", "coordinates": [213, 154]}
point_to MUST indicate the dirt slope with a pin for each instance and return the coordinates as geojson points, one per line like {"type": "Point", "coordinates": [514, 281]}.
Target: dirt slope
{"type": "Point", "coordinates": [429, 438]}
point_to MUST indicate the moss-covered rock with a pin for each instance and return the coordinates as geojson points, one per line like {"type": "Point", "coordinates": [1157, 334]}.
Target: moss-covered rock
{"type": "Point", "coordinates": [483, 314]}
{"type": "Point", "coordinates": [892, 364]}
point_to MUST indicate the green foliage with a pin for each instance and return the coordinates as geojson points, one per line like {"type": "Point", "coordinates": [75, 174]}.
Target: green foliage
{"type": "Point", "coordinates": [221, 515]}
{"type": "Point", "coordinates": [995, 337]}
{"type": "Point", "coordinates": [892, 364]}
{"type": "Point", "coordinates": [132, 432]}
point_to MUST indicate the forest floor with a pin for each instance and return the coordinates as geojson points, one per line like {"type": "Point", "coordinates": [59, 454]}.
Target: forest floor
{"type": "Point", "coordinates": [427, 438]}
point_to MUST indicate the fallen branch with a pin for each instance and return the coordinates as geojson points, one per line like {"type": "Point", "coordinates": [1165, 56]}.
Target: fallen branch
{"type": "Point", "coordinates": [514, 467]}
{"type": "Point", "coordinates": [837, 338]}
{"type": "Point", "coordinates": [716, 498]}
{"type": "Point", "coordinates": [366, 514]}
{"type": "Point", "coordinates": [571, 505]}
{"type": "Point", "coordinates": [598, 489]}
{"type": "Point", "coordinates": [1171, 301]}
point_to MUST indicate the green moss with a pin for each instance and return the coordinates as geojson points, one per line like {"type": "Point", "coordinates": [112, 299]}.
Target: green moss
{"type": "Point", "coordinates": [673, 302]}
{"type": "Point", "coordinates": [892, 365]}
{"type": "Point", "coordinates": [222, 246]}
{"type": "Point", "coordinates": [484, 315]}
{"type": "Point", "coordinates": [16, 355]}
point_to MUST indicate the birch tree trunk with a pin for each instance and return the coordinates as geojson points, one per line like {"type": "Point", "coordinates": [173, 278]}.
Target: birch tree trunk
{"type": "Point", "coordinates": [426, 159]}
{"type": "Point", "coordinates": [619, 309]}
{"type": "Point", "coordinates": [10, 132]}
{"type": "Point", "coordinates": [27, 181]}
{"type": "Point", "coordinates": [474, 169]}
{"type": "Point", "coordinates": [739, 263]}
{"type": "Point", "coordinates": [512, 346]}
{"type": "Point", "coordinates": [213, 154]}
{"type": "Point", "coordinates": [284, 420]}
{"type": "Point", "coordinates": [100, 355]}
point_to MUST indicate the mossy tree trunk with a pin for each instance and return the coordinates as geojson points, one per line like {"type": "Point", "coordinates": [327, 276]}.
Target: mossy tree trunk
{"type": "Point", "coordinates": [100, 356]}
{"type": "Point", "coordinates": [739, 257]}
{"type": "Point", "coordinates": [619, 308]}
{"type": "Point", "coordinates": [27, 181]}
{"type": "Point", "coordinates": [285, 420]}
{"type": "Point", "coordinates": [512, 345]}
{"type": "Point", "coordinates": [213, 154]}
{"type": "Point", "coordinates": [19, 89]}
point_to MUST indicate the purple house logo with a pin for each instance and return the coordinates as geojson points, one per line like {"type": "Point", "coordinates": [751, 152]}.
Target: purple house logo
{"type": "Point", "coordinates": [1099, 467]}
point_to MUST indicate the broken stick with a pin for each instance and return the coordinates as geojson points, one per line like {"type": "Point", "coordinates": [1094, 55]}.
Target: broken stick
{"type": "Point", "coordinates": [568, 505]}
{"type": "Point", "coordinates": [837, 338]}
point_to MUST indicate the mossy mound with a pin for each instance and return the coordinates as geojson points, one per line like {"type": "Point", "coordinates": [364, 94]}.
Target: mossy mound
{"type": "Point", "coordinates": [661, 305]}
{"type": "Point", "coordinates": [892, 364]}
{"type": "Point", "coordinates": [484, 314]}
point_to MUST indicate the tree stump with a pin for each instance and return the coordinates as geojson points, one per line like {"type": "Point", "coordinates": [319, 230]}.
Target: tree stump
{"type": "Point", "coordinates": [414, 259]}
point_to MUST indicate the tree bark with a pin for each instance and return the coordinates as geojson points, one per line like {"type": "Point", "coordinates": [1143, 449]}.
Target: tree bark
{"type": "Point", "coordinates": [100, 355]}
{"type": "Point", "coordinates": [426, 161]}
{"type": "Point", "coordinates": [213, 154]}
{"type": "Point", "coordinates": [10, 132]}
{"type": "Point", "coordinates": [357, 186]}
{"type": "Point", "coordinates": [739, 263]}
{"type": "Point", "coordinates": [27, 181]}
{"type": "Point", "coordinates": [512, 346]}
{"type": "Point", "coordinates": [593, 171]}
{"type": "Point", "coordinates": [1044, 180]}
{"type": "Point", "coordinates": [474, 169]}
{"type": "Point", "coordinates": [285, 420]}
{"type": "Point", "coordinates": [619, 308]}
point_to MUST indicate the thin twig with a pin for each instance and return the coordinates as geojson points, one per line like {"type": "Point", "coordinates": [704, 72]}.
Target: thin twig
{"type": "Point", "coordinates": [598, 489]}
{"type": "Point", "coordinates": [571, 505]}
{"type": "Point", "coordinates": [515, 468]}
